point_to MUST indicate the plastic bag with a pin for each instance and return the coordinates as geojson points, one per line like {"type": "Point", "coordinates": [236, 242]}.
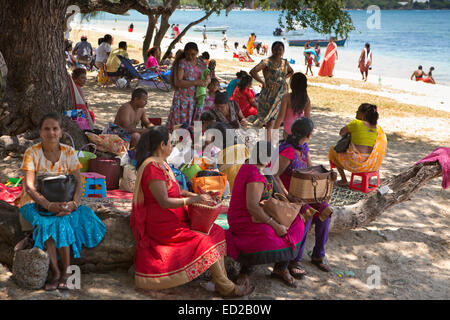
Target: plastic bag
{"type": "Point", "coordinates": [109, 143]}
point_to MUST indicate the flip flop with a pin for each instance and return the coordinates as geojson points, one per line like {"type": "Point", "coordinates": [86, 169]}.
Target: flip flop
{"type": "Point", "coordinates": [296, 270]}
{"type": "Point", "coordinates": [62, 282]}
{"type": "Point", "coordinates": [284, 278]}
{"type": "Point", "coordinates": [321, 264]}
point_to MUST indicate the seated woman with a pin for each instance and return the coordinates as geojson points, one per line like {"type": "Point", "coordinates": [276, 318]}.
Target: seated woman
{"type": "Point", "coordinates": [228, 111]}
{"type": "Point", "coordinates": [152, 62]}
{"type": "Point", "coordinates": [294, 154]}
{"type": "Point", "coordinates": [212, 88]}
{"type": "Point", "coordinates": [294, 105]}
{"type": "Point", "coordinates": [72, 225]}
{"type": "Point", "coordinates": [233, 83]}
{"type": "Point", "coordinates": [252, 243]}
{"type": "Point", "coordinates": [78, 80]}
{"type": "Point", "coordinates": [168, 253]}
{"type": "Point", "coordinates": [367, 146]}
{"type": "Point", "coordinates": [244, 96]}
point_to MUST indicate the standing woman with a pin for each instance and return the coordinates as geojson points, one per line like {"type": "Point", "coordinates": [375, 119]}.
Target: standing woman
{"type": "Point", "coordinates": [365, 61]}
{"type": "Point", "coordinates": [327, 67]}
{"type": "Point", "coordinates": [276, 71]}
{"type": "Point", "coordinates": [294, 105]}
{"type": "Point", "coordinates": [251, 43]}
{"type": "Point", "coordinates": [185, 76]}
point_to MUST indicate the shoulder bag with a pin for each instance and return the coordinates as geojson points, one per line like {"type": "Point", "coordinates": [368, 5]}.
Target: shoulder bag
{"type": "Point", "coordinates": [55, 189]}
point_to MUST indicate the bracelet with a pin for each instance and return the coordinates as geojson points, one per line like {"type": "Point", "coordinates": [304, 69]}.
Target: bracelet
{"type": "Point", "coordinates": [76, 204]}
{"type": "Point", "coordinates": [268, 220]}
{"type": "Point", "coordinates": [184, 202]}
{"type": "Point", "coordinates": [49, 204]}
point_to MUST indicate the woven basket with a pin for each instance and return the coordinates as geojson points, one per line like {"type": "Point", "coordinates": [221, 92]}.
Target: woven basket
{"type": "Point", "coordinates": [202, 216]}
{"type": "Point", "coordinates": [313, 184]}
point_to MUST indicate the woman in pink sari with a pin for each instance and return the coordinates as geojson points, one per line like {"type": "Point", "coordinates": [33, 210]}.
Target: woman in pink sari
{"type": "Point", "coordinates": [326, 69]}
{"type": "Point", "coordinates": [251, 243]}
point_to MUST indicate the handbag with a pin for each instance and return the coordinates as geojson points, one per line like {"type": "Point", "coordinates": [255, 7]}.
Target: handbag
{"type": "Point", "coordinates": [280, 209]}
{"type": "Point", "coordinates": [202, 216]}
{"type": "Point", "coordinates": [343, 144]}
{"type": "Point", "coordinates": [209, 180]}
{"type": "Point", "coordinates": [313, 184]}
{"type": "Point", "coordinates": [55, 189]}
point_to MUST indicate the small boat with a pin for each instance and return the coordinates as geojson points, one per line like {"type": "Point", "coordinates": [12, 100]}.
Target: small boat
{"type": "Point", "coordinates": [322, 43]}
{"type": "Point", "coordinates": [299, 30]}
{"type": "Point", "coordinates": [210, 29]}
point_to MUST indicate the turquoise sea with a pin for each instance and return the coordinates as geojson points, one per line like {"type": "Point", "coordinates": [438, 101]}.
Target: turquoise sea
{"type": "Point", "coordinates": [404, 39]}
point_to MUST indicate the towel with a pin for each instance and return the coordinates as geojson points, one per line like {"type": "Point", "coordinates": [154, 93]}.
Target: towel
{"type": "Point", "coordinates": [443, 156]}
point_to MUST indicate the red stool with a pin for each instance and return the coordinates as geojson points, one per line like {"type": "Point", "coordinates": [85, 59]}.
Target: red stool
{"type": "Point", "coordinates": [365, 185]}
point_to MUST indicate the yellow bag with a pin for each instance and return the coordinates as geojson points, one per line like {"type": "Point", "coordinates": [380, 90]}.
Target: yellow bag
{"type": "Point", "coordinates": [209, 180]}
{"type": "Point", "coordinates": [102, 77]}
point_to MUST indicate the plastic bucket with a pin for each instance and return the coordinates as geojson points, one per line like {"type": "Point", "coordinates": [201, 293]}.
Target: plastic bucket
{"type": "Point", "coordinates": [108, 167]}
{"type": "Point", "coordinates": [85, 156]}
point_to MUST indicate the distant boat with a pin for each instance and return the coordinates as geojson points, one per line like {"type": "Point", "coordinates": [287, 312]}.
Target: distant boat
{"type": "Point", "coordinates": [298, 30]}
{"type": "Point", "coordinates": [322, 43]}
{"type": "Point", "coordinates": [210, 29]}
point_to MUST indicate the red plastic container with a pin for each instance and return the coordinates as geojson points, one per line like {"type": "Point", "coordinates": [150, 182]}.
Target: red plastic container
{"type": "Point", "coordinates": [155, 121]}
{"type": "Point", "coordinates": [108, 167]}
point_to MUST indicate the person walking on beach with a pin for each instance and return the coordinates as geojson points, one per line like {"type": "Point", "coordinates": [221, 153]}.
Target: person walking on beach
{"type": "Point", "coordinates": [177, 31]}
{"type": "Point", "coordinates": [331, 55]}
{"type": "Point", "coordinates": [365, 61]}
{"type": "Point", "coordinates": [225, 40]}
{"type": "Point", "coordinates": [185, 76]}
{"type": "Point", "coordinates": [310, 59]}
{"type": "Point", "coordinates": [317, 50]}
{"type": "Point", "coordinates": [205, 40]}
{"type": "Point", "coordinates": [418, 74]}
{"type": "Point", "coordinates": [130, 28]}
{"type": "Point", "coordinates": [307, 46]}
{"type": "Point", "coordinates": [275, 70]}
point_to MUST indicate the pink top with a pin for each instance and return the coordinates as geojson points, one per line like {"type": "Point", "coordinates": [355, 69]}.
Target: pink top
{"type": "Point", "coordinates": [151, 62]}
{"type": "Point", "coordinates": [289, 118]}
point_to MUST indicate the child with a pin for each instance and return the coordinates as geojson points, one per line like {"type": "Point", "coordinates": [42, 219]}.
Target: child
{"type": "Point", "coordinates": [295, 104]}
{"type": "Point", "coordinates": [310, 60]}
{"type": "Point", "coordinates": [200, 92]}
{"type": "Point", "coordinates": [211, 94]}
{"type": "Point", "coordinates": [244, 96]}
{"type": "Point", "coordinates": [236, 50]}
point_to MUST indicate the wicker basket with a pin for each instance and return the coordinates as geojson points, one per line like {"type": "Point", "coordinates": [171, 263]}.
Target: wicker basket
{"type": "Point", "coordinates": [313, 184]}
{"type": "Point", "coordinates": [202, 216]}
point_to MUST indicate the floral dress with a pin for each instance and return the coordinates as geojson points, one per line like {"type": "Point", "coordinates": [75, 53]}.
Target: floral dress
{"type": "Point", "coordinates": [270, 98]}
{"type": "Point", "coordinates": [183, 108]}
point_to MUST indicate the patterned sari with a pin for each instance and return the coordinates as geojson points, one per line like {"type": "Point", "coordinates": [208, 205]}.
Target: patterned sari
{"type": "Point", "coordinates": [354, 161]}
{"type": "Point", "coordinates": [269, 100]}
{"type": "Point", "coordinates": [168, 253]}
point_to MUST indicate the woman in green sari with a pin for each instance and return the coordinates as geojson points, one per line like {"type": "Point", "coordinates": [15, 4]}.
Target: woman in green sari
{"type": "Point", "coordinates": [276, 71]}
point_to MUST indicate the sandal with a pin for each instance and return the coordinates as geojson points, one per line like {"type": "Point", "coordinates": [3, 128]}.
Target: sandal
{"type": "Point", "coordinates": [62, 283]}
{"type": "Point", "coordinates": [321, 263]}
{"type": "Point", "coordinates": [296, 270]}
{"type": "Point", "coordinates": [285, 276]}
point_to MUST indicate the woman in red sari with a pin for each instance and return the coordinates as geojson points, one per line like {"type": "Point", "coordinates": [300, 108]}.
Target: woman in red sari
{"type": "Point", "coordinates": [168, 253]}
{"type": "Point", "coordinates": [326, 69]}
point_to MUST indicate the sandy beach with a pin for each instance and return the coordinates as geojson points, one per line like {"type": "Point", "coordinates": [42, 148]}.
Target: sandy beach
{"type": "Point", "coordinates": [410, 242]}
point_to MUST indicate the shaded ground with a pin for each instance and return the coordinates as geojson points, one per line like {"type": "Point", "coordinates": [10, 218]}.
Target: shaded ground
{"type": "Point", "coordinates": [409, 243]}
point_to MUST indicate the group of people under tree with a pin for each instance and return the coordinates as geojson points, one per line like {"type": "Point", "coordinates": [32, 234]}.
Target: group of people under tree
{"type": "Point", "coordinates": [168, 253]}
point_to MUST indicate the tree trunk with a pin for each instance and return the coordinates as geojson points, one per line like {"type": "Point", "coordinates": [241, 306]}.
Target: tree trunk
{"type": "Point", "coordinates": [32, 43]}
{"type": "Point", "coordinates": [403, 186]}
{"type": "Point", "coordinates": [117, 248]}
{"type": "Point", "coordinates": [164, 26]}
{"type": "Point", "coordinates": [152, 19]}
{"type": "Point", "coordinates": [175, 41]}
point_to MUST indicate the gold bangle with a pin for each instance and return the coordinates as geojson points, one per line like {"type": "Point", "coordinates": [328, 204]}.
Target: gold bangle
{"type": "Point", "coordinates": [268, 220]}
{"type": "Point", "coordinates": [76, 204]}
{"type": "Point", "coordinates": [184, 202]}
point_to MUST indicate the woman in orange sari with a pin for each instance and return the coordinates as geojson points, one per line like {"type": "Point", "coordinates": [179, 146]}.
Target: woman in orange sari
{"type": "Point", "coordinates": [168, 253]}
{"type": "Point", "coordinates": [326, 69]}
{"type": "Point", "coordinates": [251, 43]}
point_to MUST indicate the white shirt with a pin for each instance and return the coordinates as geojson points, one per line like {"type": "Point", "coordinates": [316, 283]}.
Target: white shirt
{"type": "Point", "coordinates": [101, 53]}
